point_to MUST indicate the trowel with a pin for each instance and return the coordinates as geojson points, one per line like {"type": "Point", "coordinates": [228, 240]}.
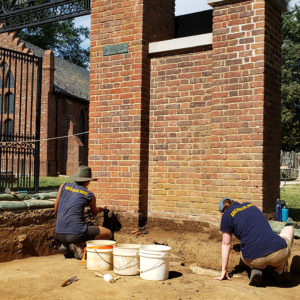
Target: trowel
{"type": "Point", "coordinates": [69, 281]}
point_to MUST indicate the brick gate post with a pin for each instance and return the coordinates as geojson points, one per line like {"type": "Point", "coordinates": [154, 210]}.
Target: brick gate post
{"type": "Point", "coordinates": [245, 104]}
{"type": "Point", "coordinates": [48, 124]}
{"type": "Point", "coordinates": [119, 98]}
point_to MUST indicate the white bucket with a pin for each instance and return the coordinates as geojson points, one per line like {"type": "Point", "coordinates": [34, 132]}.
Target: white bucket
{"type": "Point", "coordinates": [154, 262]}
{"type": "Point", "coordinates": [99, 255]}
{"type": "Point", "coordinates": [126, 259]}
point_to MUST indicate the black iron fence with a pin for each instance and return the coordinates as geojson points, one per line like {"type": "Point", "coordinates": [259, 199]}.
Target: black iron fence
{"type": "Point", "coordinates": [20, 110]}
{"type": "Point", "coordinates": [24, 13]}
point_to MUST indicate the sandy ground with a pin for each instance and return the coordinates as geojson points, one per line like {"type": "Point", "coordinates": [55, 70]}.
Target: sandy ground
{"type": "Point", "coordinates": [194, 263]}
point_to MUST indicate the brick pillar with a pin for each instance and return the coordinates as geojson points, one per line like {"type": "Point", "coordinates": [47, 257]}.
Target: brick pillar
{"type": "Point", "coordinates": [119, 97]}
{"type": "Point", "coordinates": [48, 123]}
{"type": "Point", "coordinates": [272, 105]}
{"type": "Point", "coordinates": [245, 105]}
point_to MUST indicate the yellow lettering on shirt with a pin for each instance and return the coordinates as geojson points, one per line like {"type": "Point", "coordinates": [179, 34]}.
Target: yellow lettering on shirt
{"type": "Point", "coordinates": [71, 189]}
{"type": "Point", "coordinates": [235, 211]}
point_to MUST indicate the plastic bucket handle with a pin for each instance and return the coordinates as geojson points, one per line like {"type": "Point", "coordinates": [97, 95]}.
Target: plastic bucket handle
{"type": "Point", "coordinates": [153, 255]}
{"type": "Point", "coordinates": [95, 247]}
{"type": "Point", "coordinates": [157, 265]}
{"type": "Point", "coordinates": [126, 265]}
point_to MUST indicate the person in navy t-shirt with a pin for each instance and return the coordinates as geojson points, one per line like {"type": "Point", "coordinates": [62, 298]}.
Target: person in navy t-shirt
{"type": "Point", "coordinates": [260, 245]}
{"type": "Point", "coordinates": [71, 200]}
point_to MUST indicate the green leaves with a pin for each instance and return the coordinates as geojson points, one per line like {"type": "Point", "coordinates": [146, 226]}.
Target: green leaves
{"type": "Point", "coordinates": [62, 37]}
{"type": "Point", "coordinates": [290, 82]}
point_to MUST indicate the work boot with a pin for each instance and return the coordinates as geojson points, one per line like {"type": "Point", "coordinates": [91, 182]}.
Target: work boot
{"type": "Point", "coordinates": [77, 251]}
{"type": "Point", "coordinates": [65, 251]}
{"type": "Point", "coordinates": [255, 277]}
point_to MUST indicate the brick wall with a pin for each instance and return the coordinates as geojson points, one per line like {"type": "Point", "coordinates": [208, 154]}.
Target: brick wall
{"type": "Point", "coordinates": [48, 124]}
{"type": "Point", "coordinates": [237, 101]}
{"type": "Point", "coordinates": [119, 97]}
{"type": "Point", "coordinates": [60, 117]}
{"type": "Point", "coordinates": [179, 134]}
{"type": "Point", "coordinates": [245, 133]}
{"type": "Point", "coordinates": [72, 151]}
{"type": "Point", "coordinates": [173, 133]}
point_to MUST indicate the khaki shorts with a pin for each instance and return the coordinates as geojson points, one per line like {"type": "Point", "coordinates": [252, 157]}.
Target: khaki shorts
{"type": "Point", "coordinates": [273, 259]}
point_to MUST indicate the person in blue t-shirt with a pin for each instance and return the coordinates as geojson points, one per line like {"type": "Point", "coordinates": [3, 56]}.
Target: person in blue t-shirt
{"type": "Point", "coordinates": [71, 200]}
{"type": "Point", "coordinates": [260, 245]}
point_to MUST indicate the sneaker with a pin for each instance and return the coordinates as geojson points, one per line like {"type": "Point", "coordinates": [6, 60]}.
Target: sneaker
{"type": "Point", "coordinates": [76, 250]}
{"type": "Point", "coordinates": [255, 277]}
{"type": "Point", "coordinates": [65, 251]}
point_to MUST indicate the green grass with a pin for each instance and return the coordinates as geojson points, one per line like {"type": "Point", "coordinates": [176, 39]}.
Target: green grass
{"type": "Point", "coordinates": [291, 195]}
{"type": "Point", "coordinates": [49, 183]}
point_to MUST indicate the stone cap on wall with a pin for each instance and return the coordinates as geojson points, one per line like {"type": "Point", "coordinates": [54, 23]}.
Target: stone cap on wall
{"type": "Point", "coordinates": [181, 43]}
{"type": "Point", "coordinates": [280, 3]}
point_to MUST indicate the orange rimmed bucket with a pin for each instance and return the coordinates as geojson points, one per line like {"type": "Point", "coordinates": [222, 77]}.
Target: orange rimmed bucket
{"type": "Point", "coordinates": [99, 255]}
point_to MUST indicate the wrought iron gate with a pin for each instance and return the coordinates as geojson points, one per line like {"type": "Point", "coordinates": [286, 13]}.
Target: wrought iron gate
{"type": "Point", "coordinates": [20, 111]}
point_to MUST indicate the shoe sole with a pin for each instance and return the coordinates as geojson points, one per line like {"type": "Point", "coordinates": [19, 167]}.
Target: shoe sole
{"type": "Point", "coordinates": [255, 278]}
{"type": "Point", "coordinates": [76, 250]}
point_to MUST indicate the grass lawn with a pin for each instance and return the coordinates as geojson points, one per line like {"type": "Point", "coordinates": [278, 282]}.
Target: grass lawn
{"type": "Point", "coordinates": [291, 195]}
{"type": "Point", "coordinates": [47, 183]}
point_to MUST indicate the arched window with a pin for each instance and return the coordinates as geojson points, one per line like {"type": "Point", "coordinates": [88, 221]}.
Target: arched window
{"type": "Point", "coordinates": [81, 126]}
{"type": "Point", "coordinates": [9, 103]}
{"type": "Point", "coordinates": [8, 129]}
{"type": "Point", "coordinates": [10, 82]}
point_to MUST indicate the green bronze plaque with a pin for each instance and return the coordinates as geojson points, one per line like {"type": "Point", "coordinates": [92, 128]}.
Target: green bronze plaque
{"type": "Point", "coordinates": [115, 49]}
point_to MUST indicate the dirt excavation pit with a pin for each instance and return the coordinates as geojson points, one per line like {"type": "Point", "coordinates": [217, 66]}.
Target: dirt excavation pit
{"type": "Point", "coordinates": [195, 261]}
{"type": "Point", "coordinates": [26, 234]}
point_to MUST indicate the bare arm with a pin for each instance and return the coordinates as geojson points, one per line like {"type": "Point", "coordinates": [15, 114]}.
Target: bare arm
{"type": "Point", "coordinates": [95, 210]}
{"type": "Point", "coordinates": [226, 244]}
{"type": "Point", "coordinates": [57, 199]}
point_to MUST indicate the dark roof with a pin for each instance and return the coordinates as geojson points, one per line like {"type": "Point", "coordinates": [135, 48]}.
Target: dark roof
{"type": "Point", "coordinates": [69, 79]}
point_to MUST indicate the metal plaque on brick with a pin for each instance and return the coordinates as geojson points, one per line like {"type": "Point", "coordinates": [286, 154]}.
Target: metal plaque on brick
{"type": "Point", "coordinates": [17, 14]}
{"type": "Point", "coordinates": [115, 49]}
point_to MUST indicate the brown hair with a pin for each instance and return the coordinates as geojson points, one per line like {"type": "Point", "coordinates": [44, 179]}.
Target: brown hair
{"type": "Point", "coordinates": [227, 203]}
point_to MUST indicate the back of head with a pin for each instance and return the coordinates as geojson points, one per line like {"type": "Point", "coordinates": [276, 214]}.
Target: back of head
{"type": "Point", "coordinates": [224, 204]}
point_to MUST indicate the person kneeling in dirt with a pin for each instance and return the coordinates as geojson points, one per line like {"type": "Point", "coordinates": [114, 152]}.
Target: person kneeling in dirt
{"type": "Point", "coordinates": [71, 229]}
{"type": "Point", "coordinates": [260, 245]}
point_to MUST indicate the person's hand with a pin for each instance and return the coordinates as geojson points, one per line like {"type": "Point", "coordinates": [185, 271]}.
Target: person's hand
{"type": "Point", "coordinates": [100, 209]}
{"type": "Point", "coordinates": [224, 275]}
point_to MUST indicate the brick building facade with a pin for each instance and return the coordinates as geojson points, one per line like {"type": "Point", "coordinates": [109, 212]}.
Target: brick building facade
{"type": "Point", "coordinates": [177, 124]}
{"type": "Point", "coordinates": [64, 109]}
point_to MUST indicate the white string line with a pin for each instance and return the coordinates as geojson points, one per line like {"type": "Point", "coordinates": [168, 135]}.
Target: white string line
{"type": "Point", "coordinates": [48, 139]}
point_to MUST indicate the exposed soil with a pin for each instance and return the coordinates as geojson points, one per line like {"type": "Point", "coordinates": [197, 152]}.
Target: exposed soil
{"type": "Point", "coordinates": [41, 277]}
{"type": "Point", "coordinates": [25, 234]}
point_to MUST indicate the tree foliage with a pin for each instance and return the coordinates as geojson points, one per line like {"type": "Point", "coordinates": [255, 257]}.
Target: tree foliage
{"type": "Point", "coordinates": [62, 37]}
{"type": "Point", "coordinates": [290, 83]}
